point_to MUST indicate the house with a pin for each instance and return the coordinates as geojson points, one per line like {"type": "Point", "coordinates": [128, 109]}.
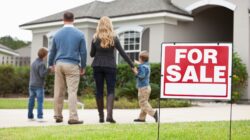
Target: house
{"type": "Point", "coordinates": [7, 55]}
{"type": "Point", "coordinates": [24, 56]}
{"type": "Point", "coordinates": [19, 57]}
{"type": "Point", "coordinates": [145, 24]}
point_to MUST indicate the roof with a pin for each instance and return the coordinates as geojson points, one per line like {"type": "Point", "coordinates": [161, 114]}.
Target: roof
{"type": "Point", "coordinates": [117, 8]}
{"type": "Point", "coordinates": [7, 50]}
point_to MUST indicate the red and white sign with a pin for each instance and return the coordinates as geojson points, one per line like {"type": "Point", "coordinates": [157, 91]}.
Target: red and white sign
{"type": "Point", "coordinates": [196, 71]}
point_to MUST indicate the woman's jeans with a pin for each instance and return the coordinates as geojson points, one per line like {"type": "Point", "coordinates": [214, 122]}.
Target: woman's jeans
{"type": "Point", "coordinates": [39, 93]}
{"type": "Point", "coordinates": [107, 74]}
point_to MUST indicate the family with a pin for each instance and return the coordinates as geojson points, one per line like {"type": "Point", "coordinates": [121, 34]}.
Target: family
{"type": "Point", "coordinates": [67, 59]}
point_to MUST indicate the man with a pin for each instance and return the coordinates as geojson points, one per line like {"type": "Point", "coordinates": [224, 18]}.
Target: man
{"type": "Point", "coordinates": [67, 52]}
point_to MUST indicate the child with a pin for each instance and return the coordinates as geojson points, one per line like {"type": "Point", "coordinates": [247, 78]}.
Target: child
{"type": "Point", "coordinates": [36, 85]}
{"type": "Point", "coordinates": [144, 89]}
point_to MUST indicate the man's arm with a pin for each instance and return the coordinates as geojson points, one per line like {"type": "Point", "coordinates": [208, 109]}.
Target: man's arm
{"type": "Point", "coordinates": [52, 53]}
{"type": "Point", "coordinates": [83, 53]}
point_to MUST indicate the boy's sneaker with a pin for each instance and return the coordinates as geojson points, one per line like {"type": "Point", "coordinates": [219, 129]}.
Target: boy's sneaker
{"type": "Point", "coordinates": [156, 116]}
{"type": "Point", "coordinates": [138, 120]}
{"type": "Point", "coordinates": [40, 120]}
{"type": "Point", "coordinates": [31, 119]}
{"type": "Point", "coordinates": [71, 122]}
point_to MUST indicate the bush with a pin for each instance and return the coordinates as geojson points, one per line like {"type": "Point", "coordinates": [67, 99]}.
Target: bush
{"type": "Point", "coordinates": [240, 76]}
{"type": "Point", "coordinates": [14, 80]}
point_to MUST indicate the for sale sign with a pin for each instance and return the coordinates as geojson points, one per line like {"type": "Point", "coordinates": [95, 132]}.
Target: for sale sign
{"type": "Point", "coordinates": [196, 71]}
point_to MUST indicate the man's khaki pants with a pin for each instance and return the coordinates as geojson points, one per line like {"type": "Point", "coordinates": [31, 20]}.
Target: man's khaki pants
{"type": "Point", "coordinates": [67, 77]}
{"type": "Point", "coordinates": [143, 96]}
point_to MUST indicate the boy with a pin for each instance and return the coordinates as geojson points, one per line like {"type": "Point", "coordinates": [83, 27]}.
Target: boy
{"type": "Point", "coordinates": [144, 89]}
{"type": "Point", "coordinates": [38, 72]}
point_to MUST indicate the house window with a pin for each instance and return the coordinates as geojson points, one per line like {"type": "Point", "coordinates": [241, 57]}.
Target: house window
{"type": "Point", "coordinates": [130, 38]}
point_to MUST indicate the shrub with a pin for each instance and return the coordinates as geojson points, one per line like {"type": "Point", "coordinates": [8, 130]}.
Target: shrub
{"type": "Point", "coordinates": [239, 78]}
{"type": "Point", "coordinates": [14, 80]}
{"type": "Point", "coordinates": [7, 79]}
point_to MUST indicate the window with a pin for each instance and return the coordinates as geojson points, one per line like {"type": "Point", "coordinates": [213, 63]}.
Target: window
{"type": "Point", "coordinates": [130, 38]}
{"type": "Point", "coordinates": [45, 41]}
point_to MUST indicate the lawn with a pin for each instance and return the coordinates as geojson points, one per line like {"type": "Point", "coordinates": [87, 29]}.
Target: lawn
{"type": "Point", "coordinates": [90, 103]}
{"type": "Point", "coordinates": [172, 131]}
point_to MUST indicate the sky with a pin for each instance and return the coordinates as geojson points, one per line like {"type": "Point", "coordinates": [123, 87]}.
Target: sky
{"type": "Point", "coordinates": [16, 12]}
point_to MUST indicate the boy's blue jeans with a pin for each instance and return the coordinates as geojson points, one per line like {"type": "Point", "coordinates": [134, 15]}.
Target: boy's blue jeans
{"type": "Point", "coordinates": [39, 93]}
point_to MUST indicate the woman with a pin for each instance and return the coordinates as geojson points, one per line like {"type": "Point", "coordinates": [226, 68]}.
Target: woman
{"type": "Point", "coordinates": [102, 49]}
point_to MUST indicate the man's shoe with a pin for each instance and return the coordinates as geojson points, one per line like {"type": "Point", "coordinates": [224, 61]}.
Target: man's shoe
{"type": "Point", "coordinates": [138, 120]}
{"type": "Point", "coordinates": [75, 122]}
{"type": "Point", "coordinates": [58, 120]}
{"type": "Point", "coordinates": [110, 120]}
{"type": "Point", "coordinates": [156, 116]}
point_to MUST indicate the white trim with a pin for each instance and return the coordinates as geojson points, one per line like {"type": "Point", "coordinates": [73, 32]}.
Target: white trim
{"type": "Point", "coordinates": [145, 16]}
{"type": "Point", "coordinates": [57, 23]}
{"type": "Point", "coordinates": [201, 3]}
{"type": "Point", "coordinates": [8, 52]}
{"type": "Point", "coordinates": [129, 28]}
{"type": "Point", "coordinates": [154, 15]}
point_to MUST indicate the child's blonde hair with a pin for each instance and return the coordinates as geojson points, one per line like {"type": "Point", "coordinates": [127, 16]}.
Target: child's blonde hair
{"type": "Point", "coordinates": [144, 56]}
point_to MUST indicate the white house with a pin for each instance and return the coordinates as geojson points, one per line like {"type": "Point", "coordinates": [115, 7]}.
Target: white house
{"type": "Point", "coordinates": [19, 57]}
{"type": "Point", "coordinates": [145, 24]}
{"type": "Point", "coordinates": [7, 55]}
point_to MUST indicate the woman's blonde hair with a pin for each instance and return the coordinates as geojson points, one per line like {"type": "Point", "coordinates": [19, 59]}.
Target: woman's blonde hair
{"type": "Point", "coordinates": [105, 32]}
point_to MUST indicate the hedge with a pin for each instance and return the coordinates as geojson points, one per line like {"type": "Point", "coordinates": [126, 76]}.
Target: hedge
{"type": "Point", "coordinates": [14, 80]}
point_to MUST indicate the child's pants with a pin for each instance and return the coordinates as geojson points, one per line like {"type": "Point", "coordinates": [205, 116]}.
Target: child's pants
{"type": "Point", "coordinates": [143, 96]}
{"type": "Point", "coordinates": [38, 93]}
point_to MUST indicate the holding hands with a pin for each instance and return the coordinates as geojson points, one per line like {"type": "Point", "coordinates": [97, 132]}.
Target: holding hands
{"type": "Point", "coordinates": [82, 72]}
{"type": "Point", "coordinates": [135, 70]}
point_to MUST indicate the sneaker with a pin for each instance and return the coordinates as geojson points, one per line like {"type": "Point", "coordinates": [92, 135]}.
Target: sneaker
{"type": "Point", "coordinates": [31, 119]}
{"type": "Point", "coordinates": [156, 116]}
{"type": "Point", "coordinates": [40, 120]}
{"type": "Point", "coordinates": [71, 122]}
{"type": "Point", "coordinates": [138, 120]}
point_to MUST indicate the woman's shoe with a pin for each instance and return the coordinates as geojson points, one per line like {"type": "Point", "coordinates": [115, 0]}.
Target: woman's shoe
{"type": "Point", "coordinates": [110, 120]}
{"type": "Point", "coordinates": [101, 120]}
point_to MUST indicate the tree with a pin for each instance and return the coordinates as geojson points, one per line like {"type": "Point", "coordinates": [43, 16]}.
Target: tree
{"type": "Point", "coordinates": [13, 43]}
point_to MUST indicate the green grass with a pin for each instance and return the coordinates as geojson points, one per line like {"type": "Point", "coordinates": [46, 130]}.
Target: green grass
{"type": "Point", "coordinates": [90, 103]}
{"type": "Point", "coordinates": [173, 131]}
{"type": "Point", "coordinates": [23, 104]}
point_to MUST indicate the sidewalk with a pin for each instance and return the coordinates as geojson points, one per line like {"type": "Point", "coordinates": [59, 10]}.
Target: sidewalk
{"type": "Point", "coordinates": [203, 112]}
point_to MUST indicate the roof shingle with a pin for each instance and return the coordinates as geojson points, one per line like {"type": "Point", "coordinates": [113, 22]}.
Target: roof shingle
{"type": "Point", "coordinates": [117, 8]}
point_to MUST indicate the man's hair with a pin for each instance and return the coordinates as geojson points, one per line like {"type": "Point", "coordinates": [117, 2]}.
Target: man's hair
{"type": "Point", "coordinates": [144, 56]}
{"type": "Point", "coordinates": [43, 52]}
{"type": "Point", "coordinates": [68, 16]}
